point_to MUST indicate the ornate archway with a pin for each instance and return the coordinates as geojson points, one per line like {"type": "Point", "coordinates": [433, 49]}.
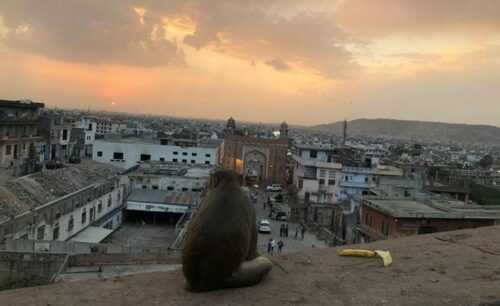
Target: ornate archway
{"type": "Point", "coordinates": [254, 167]}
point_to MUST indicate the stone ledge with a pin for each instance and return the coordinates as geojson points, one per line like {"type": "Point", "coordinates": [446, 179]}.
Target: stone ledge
{"type": "Point", "coordinates": [453, 268]}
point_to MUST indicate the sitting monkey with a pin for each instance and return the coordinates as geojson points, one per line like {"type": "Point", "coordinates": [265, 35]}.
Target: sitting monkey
{"type": "Point", "coordinates": [220, 249]}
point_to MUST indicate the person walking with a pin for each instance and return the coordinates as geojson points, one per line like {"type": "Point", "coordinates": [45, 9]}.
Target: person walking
{"type": "Point", "coordinates": [303, 231]}
{"type": "Point", "coordinates": [280, 246]}
{"type": "Point", "coordinates": [286, 230]}
{"type": "Point", "coordinates": [296, 232]}
{"type": "Point", "coordinates": [269, 246]}
{"type": "Point", "coordinates": [273, 246]}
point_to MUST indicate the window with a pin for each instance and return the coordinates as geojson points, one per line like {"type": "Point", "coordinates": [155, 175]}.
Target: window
{"type": "Point", "coordinates": [92, 214]}
{"type": "Point", "coordinates": [55, 232]}
{"type": "Point", "coordinates": [175, 160]}
{"type": "Point", "coordinates": [162, 159]}
{"type": "Point", "coordinates": [84, 216]}
{"type": "Point", "coordinates": [301, 183]}
{"type": "Point", "coordinates": [184, 161]}
{"type": "Point", "coordinates": [40, 233]}
{"type": "Point", "coordinates": [313, 154]}
{"type": "Point", "coordinates": [99, 208]}
{"type": "Point", "coordinates": [193, 161]}
{"type": "Point", "coordinates": [8, 150]}
{"type": "Point", "coordinates": [71, 224]}
{"type": "Point", "coordinates": [208, 155]}
{"type": "Point", "coordinates": [331, 182]}
{"type": "Point", "coordinates": [155, 187]}
{"type": "Point", "coordinates": [109, 200]}
{"type": "Point", "coordinates": [58, 215]}
{"type": "Point", "coordinates": [322, 173]}
{"type": "Point", "coordinates": [118, 155]}
{"type": "Point", "coordinates": [321, 182]}
{"type": "Point", "coordinates": [366, 180]}
{"type": "Point", "coordinates": [99, 153]}
{"type": "Point", "coordinates": [176, 153]}
{"type": "Point", "coordinates": [184, 153]}
{"type": "Point", "coordinates": [194, 154]}
{"type": "Point", "coordinates": [170, 188]}
{"type": "Point", "coordinates": [145, 157]}
{"type": "Point", "coordinates": [65, 135]}
{"type": "Point", "coordinates": [207, 162]}
{"type": "Point", "coordinates": [184, 189]}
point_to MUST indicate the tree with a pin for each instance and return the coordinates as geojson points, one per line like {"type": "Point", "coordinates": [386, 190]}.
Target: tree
{"type": "Point", "coordinates": [486, 161]}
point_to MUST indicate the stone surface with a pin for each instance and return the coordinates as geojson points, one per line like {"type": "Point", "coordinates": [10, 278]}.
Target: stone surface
{"type": "Point", "coordinates": [454, 268]}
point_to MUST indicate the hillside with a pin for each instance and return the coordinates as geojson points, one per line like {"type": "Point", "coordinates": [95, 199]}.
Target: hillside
{"type": "Point", "coordinates": [444, 132]}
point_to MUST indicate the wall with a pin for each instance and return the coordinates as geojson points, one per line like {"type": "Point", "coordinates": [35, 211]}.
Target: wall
{"type": "Point", "coordinates": [132, 153]}
{"type": "Point", "coordinates": [25, 269]}
{"type": "Point", "coordinates": [166, 182]}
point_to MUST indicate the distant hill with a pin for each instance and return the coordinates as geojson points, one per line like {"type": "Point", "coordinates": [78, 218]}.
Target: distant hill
{"type": "Point", "coordinates": [418, 130]}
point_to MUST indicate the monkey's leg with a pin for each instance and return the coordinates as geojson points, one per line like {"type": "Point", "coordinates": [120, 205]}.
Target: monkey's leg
{"type": "Point", "coordinates": [249, 273]}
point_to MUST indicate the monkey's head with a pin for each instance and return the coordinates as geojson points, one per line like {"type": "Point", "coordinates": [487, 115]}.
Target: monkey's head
{"type": "Point", "coordinates": [223, 177]}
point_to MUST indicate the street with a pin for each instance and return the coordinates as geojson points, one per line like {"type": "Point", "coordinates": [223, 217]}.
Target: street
{"type": "Point", "coordinates": [290, 244]}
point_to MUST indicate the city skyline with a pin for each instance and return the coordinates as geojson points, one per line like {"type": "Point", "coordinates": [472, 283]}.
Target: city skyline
{"type": "Point", "coordinates": [306, 62]}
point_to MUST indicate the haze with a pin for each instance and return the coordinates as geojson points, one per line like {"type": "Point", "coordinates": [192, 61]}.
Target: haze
{"type": "Point", "coordinates": [304, 61]}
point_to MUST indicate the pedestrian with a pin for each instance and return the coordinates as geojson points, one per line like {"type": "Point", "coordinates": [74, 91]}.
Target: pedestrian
{"type": "Point", "coordinates": [269, 246]}
{"type": "Point", "coordinates": [274, 244]}
{"type": "Point", "coordinates": [296, 232]}
{"type": "Point", "coordinates": [286, 230]}
{"type": "Point", "coordinates": [302, 231]}
{"type": "Point", "coordinates": [280, 246]}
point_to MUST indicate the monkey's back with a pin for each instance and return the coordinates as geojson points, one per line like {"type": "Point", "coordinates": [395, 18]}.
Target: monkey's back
{"type": "Point", "coordinates": [220, 237]}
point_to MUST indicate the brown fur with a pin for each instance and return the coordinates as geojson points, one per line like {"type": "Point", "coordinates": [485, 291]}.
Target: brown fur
{"type": "Point", "coordinates": [221, 237]}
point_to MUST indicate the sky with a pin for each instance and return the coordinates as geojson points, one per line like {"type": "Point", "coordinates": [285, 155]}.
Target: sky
{"type": "Point", "coordinates": [301, 61]}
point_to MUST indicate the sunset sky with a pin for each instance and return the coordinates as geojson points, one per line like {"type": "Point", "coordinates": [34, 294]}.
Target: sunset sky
{"type": "Point", "coordinates": [303, 61]}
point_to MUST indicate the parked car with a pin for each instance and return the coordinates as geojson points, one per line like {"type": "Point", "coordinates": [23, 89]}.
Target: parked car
{"type": "Point", "coordinates": [281, 216]}
{"type": "Point", "coordinates": [264, 226]}
{"type": "Point", "coordinates": [274, 188]}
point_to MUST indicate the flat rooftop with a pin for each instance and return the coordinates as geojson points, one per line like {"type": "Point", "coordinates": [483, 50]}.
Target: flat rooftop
{"type": "Point", "coordinates": [196, 171]}
{"type": "Point", "coordinates": [450, 269]}
{"type": "Point", "coordinates": [164, 197]}
{"type": "Point", "coordinates": [438, 209]}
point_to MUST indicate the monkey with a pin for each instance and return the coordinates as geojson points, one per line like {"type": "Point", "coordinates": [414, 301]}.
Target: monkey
{"type": "Point", "coordinates": [220, 248]}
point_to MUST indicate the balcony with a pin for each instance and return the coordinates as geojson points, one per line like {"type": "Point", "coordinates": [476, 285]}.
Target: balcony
{"type": "Point", "coordinates": [352, 184]}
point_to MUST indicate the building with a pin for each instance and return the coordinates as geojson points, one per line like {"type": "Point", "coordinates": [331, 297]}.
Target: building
{"type": "Point", "coordinates": [166, 190]}
{"type": "Point", "coordinates": [129, 152]}
{"type": "Point", "coordinates": [258, 160]}
{"type": "Point", "coordinates": [322, 182]}
{"type": "Point", "coordinates": [87, 138]}
{"type": "Point", "coordinates": [19, 132]}
{"type": "Point", "coordinates": [56, 128]}
{"type": "Point", "coordinates": [79, 203]}
{"type": "Point", "coordinates": [393, 218]}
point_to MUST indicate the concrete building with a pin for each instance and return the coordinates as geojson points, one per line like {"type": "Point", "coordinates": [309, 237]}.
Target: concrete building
{"type": "Point", "coordinates": [394, 218]}
{"type": "Point", "coordinates": [78, 203]}
{"type": "Point", "coordinates": [258, 160]}
{"type": "Point", "coordinates": [56, 128]}
{"type": "Point", "coordinates": [89, 127]}
{"type": "Point", "coordinates": [19, 131]}
{"type": "Point", "coordinates": [129, 152]}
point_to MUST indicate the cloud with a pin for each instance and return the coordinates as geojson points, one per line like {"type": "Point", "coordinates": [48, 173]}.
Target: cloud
{"type": "Point", "coordinates": [278, 64]}
{"type": "Point", "coordinates": [92, 31]}
{"type": "Point", "coordinates": [385, 17]}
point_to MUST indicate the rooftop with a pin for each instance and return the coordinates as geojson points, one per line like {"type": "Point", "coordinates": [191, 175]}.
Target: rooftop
{"type": "Point", "coordinates": [438, 209]}
{"type": "Point", "coordinates": [173, 169]}
{"type": "Point", "coordinates": [454, 268]}
{"type": "Point", "coordinates": [164, 197]}
{"type": "Point", "coordinates": [25, 104]}
{"type": "Point", "coordinates": [24, 193]}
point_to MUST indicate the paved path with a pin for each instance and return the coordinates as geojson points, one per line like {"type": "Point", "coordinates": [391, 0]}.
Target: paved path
{"type": "Point", "coordinates": [291, 244]}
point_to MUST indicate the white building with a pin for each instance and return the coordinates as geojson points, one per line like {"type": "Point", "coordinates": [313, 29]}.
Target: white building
{"type": "Point", "coordinates": [88, 214]}
{"type": "Point", "coordinates": [127, 153]}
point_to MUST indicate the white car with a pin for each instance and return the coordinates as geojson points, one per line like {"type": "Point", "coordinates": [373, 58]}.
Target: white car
{"type": "Point", "coordinates": [264, 226]}
{"type": "Point", "coordinates": [274, 188]}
